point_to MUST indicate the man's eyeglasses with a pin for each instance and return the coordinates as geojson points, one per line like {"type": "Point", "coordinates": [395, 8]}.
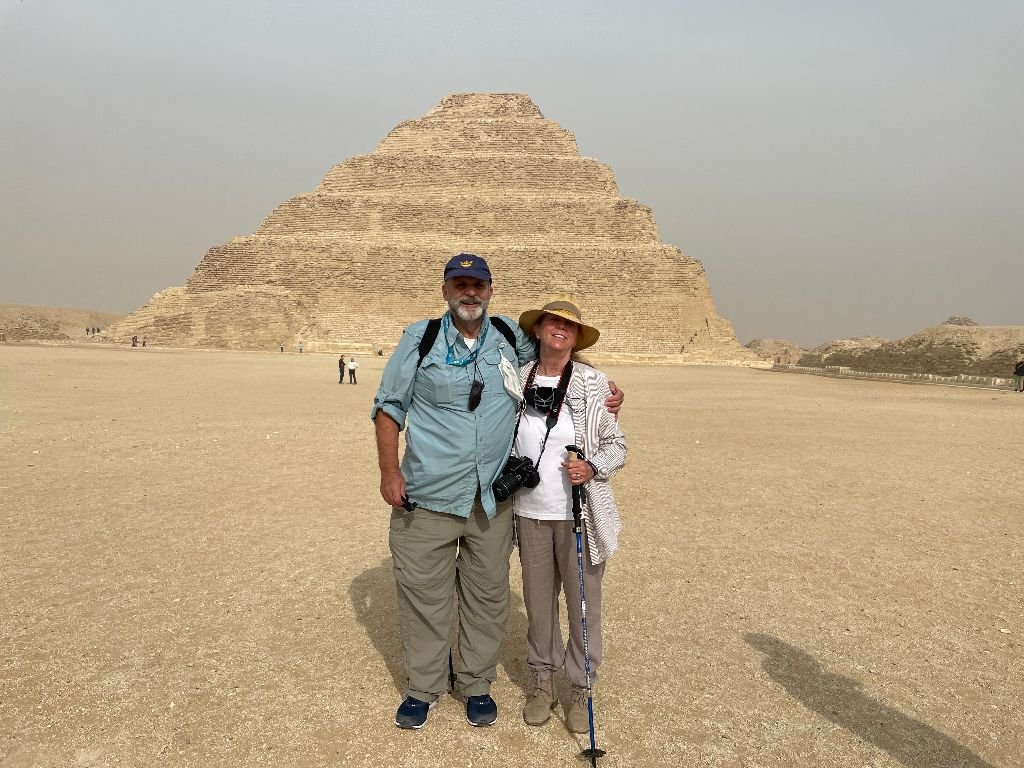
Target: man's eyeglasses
{"type": "Point", "coordinates": [476, 391]}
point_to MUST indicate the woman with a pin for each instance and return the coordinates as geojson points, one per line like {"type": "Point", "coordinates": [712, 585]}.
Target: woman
{"type": "Point", "coordinates": [564, 405]}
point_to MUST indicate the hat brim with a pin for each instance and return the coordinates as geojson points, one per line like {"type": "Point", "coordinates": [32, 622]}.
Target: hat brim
{"type": "Point", "coordinates": [476, 274]}
{"type": "Point", "coordinates": [587, 336]}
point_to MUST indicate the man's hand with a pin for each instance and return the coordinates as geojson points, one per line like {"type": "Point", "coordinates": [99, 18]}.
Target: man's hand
{"type": "Point", "coordinates": [392, 483]}
{"type": "Point", "coordinates": [614, 401]}
{"type": "Point", "coordinates": [392, 488]}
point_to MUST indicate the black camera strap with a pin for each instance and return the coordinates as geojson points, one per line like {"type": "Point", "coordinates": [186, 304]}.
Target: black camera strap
{"type": "Point", "coordinates": [551, 418]}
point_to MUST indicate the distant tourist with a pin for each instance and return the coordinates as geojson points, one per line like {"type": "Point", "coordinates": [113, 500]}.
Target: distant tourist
{"type": "Point", "coordinates": [143, 341]}
{"type": "Point", "coordinates": [467, 366]}
{"type": "Point", "coordinates": [95, 331]}
{"type": "Point", "coordinates": [1018, 377]}
{"type": "Point", "coordinates": [135, 341]}
{"type": "Point", "coordinates": [352, 365]}
{"type": "Point", "coordinates": [282, 346]}
{"type": "Point", "coordinates": [301, 345]}
{"type": "Point", "coordinates": [88, 331]}
{"type": "Point", "coordinates": [341, 369]}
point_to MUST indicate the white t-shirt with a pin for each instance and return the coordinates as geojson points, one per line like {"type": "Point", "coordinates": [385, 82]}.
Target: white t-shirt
{"type": "Point", "coordinates": [552, 498]}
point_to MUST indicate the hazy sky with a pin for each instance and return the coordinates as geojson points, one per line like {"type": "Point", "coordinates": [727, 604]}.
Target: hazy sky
{"type": "Point", "coordinates": [840, 168]}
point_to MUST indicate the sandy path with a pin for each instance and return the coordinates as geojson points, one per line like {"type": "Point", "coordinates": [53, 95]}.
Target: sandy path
{"type": "Point", "coordinates": [194, 572]}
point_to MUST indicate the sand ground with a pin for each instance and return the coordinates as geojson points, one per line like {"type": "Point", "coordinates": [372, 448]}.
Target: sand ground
{"type": "Point", "coordinates": [194, 572]}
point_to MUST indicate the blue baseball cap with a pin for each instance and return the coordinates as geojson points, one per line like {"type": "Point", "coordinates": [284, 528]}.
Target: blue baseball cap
{"type": "Point", "coordinates": [467, 265]}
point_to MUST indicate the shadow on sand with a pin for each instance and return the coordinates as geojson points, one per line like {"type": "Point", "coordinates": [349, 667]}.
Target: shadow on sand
{"type": "Point", "coordinates": [376, 607]}
{"type": "Point", "coordinates": [373, 598]}
{"type": "Point", "coordinates": [840, 700]}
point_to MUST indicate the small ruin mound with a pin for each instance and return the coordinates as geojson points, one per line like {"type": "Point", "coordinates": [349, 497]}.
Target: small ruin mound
{"type": "Point", "coordinates": [778, 351]}
{"type": "Point", "coordinates": [944, 350]}
{"type": "Point", "coordinates": [19, 322]}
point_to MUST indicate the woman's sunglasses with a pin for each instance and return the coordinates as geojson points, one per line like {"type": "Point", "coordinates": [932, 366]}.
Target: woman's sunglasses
{"type": "Point", "coordinates": [543, 399]}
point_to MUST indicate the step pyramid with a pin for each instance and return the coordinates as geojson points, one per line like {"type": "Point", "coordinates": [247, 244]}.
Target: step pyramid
{"type": "Point", "coordinates": [347, 266]}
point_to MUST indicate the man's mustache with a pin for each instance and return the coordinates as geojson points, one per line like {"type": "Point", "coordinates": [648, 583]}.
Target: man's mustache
{"type": "Point", "coordinates": [470, 301]}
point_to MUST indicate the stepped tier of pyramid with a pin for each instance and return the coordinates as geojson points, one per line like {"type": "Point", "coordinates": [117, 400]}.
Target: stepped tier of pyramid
{"type": "Point", "coordinates": [347, 266]}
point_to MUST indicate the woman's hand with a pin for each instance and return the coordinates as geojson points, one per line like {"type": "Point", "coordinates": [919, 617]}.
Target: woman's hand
{"type": "Point", "coordinates": [579, 472]}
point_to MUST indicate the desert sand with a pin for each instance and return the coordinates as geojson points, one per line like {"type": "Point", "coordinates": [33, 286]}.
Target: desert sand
{"type": "Point", "coordinates": [194, 572]}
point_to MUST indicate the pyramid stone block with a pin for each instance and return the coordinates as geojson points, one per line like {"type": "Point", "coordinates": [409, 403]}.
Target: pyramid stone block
{"type": "Point", "coordinates": [347, 266]}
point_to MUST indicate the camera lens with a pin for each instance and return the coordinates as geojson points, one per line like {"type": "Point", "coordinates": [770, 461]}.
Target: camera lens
{"type": "Point", "coordinates": [503, 490]}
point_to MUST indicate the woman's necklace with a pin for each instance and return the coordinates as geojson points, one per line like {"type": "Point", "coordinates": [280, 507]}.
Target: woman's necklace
{"type": "Point", "coordinates": [543, 371]}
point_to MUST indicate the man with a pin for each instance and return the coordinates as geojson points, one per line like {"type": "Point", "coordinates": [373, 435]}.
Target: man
{"type": "Point", "coordinates": [352, 365]}
{"type": "Point", "coordinates": [447, 531]}
{"type": "Point", "coordinates": [1018, 377]}
{"type": "Point", "coordinates": [341, 369]}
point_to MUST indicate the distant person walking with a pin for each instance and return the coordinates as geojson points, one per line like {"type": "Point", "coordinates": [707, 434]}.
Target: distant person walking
{"type": "Point", "coordinates": [281, 344]}
{"type": "Point", "coordinates": [301, 345]}
{"type": "Point", "coordinates": [341, 369]}
{"type": "Point", "coordinates": [1018, 377]}
{"type": "Point", "coordinates": [352, 365]}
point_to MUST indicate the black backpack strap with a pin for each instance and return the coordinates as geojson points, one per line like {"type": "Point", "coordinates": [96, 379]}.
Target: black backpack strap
{"type": "Point", "coordinates": [508, 333]}
{"type": "Point", "coordinates": [429, 337]}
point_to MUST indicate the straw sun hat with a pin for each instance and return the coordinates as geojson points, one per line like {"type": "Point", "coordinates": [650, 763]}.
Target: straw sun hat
{"type": "Point", "coordinates": [562, 305]}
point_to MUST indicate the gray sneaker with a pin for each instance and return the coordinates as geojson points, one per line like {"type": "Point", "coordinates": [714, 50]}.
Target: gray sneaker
{"type": "Point", "coordinates": [541, 702]}
{"type": "Point", "coordinates": [577, 717]}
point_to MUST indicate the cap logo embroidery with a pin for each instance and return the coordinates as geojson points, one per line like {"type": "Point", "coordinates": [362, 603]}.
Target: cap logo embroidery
{"type": "Point", "coordinates": [466, 264]}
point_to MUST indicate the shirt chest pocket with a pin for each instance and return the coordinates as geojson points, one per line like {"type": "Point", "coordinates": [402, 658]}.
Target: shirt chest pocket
{"type": "Point", "coordinates": [501, 375]}
{"type": "Point", "coordinates": [434, 383]}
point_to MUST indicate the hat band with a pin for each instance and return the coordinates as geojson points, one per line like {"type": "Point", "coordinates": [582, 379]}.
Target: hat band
{"type": "Point", "coordinates": [564, 306]}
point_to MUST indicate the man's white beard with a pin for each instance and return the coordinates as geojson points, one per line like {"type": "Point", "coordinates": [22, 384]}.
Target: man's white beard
{"type": "Point", "coordinates": [468, 313]}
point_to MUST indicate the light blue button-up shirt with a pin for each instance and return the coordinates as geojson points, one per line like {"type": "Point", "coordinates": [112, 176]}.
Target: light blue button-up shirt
{"type": "Point", "coordinates": [451, 451]}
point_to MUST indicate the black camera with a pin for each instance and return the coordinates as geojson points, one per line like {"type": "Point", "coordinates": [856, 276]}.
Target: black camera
{"type": "Point", "coordinates": [518, 472]}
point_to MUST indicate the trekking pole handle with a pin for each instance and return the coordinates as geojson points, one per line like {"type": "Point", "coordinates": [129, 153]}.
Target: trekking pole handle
{"type": "Point", "coordinates": [575, 453]}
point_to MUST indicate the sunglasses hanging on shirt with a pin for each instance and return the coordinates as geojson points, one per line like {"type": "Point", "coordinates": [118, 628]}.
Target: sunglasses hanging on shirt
{"type": "Point", "coordinates": [476, 390]}
{"type": "Point", "coordinates": [543, 399]}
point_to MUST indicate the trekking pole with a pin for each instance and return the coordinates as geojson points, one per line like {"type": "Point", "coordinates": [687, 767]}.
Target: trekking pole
{"type": "Point", "coordinates": [577, 520]}
{"type": "Point", "coordinates": [451, 664]}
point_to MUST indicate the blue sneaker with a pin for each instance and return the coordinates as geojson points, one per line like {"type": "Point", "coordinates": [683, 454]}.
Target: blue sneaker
{"type": "Point", "coordinates": [481, 710]}
{"type": "Point", "coordinates": [413, 713]}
